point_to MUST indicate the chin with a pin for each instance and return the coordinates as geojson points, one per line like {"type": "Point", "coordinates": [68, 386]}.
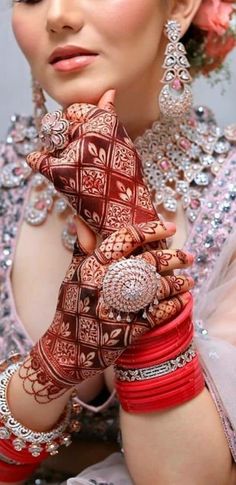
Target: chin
{"type": "Point", "coordinates": [66, 93]}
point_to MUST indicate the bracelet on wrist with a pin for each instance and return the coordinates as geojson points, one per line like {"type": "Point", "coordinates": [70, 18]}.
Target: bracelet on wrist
{"type": "Point", "coordinates": [19, 443]}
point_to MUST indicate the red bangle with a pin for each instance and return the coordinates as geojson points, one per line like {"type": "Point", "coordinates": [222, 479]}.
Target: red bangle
{"type": "Point", "coordinates": [15, 473]}
{"type": "Point", "coordinates": [162, 345]}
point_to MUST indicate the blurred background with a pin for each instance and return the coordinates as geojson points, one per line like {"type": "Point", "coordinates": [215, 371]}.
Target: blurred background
{"type": "Point", "coordinates": [15, 86]}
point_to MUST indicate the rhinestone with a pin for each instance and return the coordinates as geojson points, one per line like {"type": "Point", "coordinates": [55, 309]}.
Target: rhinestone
{"type": "Point", "coordinates": [202, 179]}
{"type": "Point", "coordinates": [225, 207]}
{"type": "Point", "coordinates": [4, 433]}
{"type": "Point", "coordinates": [192, 215]}
{"type": "Point", "coordinates": [74, 426]}
{"type": "Point", "coordinates": [18, 444]}
{"type": "Point", "coordinates": [52, 448]}
{"type": "Point", "coordinates": [209, 242]}
{"type": "Point", "coordinates": [202, 258]}
{"type": "Point", "coordinates": [222, 147]}
{"type": "Point", "coordinates": [35, 450]}
{"type": "Point", "coordinates": [207, 160]}
{"type": "Point", "coordinates": [66, 440]}
{"type": "Point", "coordinates": [170, 204]}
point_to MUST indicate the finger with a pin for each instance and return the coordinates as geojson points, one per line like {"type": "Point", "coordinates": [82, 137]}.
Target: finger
{"type": "Point", "coordinates": [79, 112]}
{"type": "Point", "coordinates": [168, 309]}
{"type": "Point", "coordinates": [170, 286]}
{"type": "Point", "coordinates": [36, 159]}
{"type": "Point", "coordinates": [127, 239]}
{"type": "Point", "coordinates": [86, 236]}
{"type": "Point", "coordinates": [167, 260]}
{"type": "Point", "coordinates": [107, 101]}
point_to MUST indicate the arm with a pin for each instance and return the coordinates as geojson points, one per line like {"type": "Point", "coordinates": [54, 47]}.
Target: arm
{"type": "Point", "coordinates": [174, 438]}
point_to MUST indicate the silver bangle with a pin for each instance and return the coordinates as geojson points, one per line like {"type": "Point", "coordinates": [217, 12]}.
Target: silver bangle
{"type": "Point", "coordinates": [23, 437]}
{"type": "Point", "coordinates": [131, 375]}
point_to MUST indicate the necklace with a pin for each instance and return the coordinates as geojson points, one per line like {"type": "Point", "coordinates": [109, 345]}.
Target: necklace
{"type": "Point", "coordinates": [180, 159]}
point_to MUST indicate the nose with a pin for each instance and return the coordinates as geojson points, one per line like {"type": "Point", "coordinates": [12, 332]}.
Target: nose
{"type": "Point", "coordinates": [64, 15]}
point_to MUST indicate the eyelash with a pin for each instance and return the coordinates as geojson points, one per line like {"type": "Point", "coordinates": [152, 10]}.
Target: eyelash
{"type": "Point", "coordinates": [32, 2]}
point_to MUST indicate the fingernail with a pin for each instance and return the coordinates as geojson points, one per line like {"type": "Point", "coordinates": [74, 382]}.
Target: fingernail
{"type": "Point", "coordinates": [191, 257]}
{"type": "Point", "coordinates": [191, 282]}
{"type": "Point", "coordinates": [169, 226]}
{"type": "Point", "coordinates": [186, 298]}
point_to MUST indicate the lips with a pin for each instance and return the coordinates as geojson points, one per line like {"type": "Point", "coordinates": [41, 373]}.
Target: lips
{"type": "Point", "coordinates": [69, 52]}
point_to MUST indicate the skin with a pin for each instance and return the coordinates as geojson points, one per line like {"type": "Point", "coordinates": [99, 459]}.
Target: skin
{"type": "Point", "coordinates": [128, 35]}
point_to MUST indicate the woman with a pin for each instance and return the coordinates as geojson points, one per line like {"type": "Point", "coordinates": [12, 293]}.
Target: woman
{"type": "Point", "coordinates": [111, 45]}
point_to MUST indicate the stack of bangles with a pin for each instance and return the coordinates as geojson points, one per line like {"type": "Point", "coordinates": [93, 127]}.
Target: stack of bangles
{"type": "Point", "coordinates": [21, 449]}
{"type": "Point", "coordinates": [162, 369]}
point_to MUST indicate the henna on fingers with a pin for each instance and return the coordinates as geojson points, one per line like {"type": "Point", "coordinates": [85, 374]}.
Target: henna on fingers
{"type": "Point", "coordinates": [89, 157]}
{"type": "Point", "coordinates": [84, 338]}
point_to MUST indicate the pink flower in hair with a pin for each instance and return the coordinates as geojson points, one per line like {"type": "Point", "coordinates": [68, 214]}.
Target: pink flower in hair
{"type": "Point", "coordinates": [214, 16]}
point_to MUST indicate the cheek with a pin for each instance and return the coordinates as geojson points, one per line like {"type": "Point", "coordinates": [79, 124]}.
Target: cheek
{"type": "Point", "coordinates": [25, 34]}
{"type": "Point", "coordinates": [126, 18]}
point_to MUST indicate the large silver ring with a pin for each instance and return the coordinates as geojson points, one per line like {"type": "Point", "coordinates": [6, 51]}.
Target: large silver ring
{"type": "Point", "coordinates": [130, 285]}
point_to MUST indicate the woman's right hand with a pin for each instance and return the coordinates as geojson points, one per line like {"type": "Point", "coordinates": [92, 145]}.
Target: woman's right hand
{"type": "Point", "coordinates": [83, 338]}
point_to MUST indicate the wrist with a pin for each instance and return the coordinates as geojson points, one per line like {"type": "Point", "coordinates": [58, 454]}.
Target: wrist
{"type": "Point", "coordinates": [162, 369]}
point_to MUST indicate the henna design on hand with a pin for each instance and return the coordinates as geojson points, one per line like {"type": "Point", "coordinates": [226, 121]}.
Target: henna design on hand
{"type": "Point", "coordinates": [83, 339]}
{"type": "Point", "coordinates": [97, 169]}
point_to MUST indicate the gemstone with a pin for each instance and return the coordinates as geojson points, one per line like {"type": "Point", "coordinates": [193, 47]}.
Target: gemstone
{"type": "Point", "coordinates": [35, 450]}
{"type": "Point", "coordinates": [165, 164]}
{"type": "Point", "coordinates": [202, 258]}
{"type": "Point", "coordinates": [52, 448]}
{"type": "Point", "coordinates": [170, 204]}
{"type": "Point", "coordinates": [202, 179]}
{"type": "Point", "coordinates": [182, 187]}
{"type": "Point", "coordinates": [222, 146]}
{"type": "Point", "coordinates": [207, 160]}
{"type": "Point", "coordinates": [184, 144]}
{"type": "Point", "coordinates": [195, 204]}
{"type": "Point", "coordinates": [40, 205]}
{"type": "Point", "coordinates": [4, 433]}
{"type": "Point", "coordinates": [177, 85]}
{"type": "Point", "coordinates": [209, 242]}
{"type": "Point", "coordinates": [17, 171]}
{"type": "Point", "coordinates": [66, 440]}
{"type": "Point", "coordinates": [75, 426]}
{"type": "Point", "coordinates": [18, 444]}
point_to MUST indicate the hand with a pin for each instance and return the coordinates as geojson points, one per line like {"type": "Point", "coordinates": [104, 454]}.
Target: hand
{"type": "Point", "coordinates": [91, 160]}
{"type": "Point", "coordinates": [83, 339]}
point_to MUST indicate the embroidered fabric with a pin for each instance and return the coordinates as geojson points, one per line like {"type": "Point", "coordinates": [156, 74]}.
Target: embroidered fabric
{"type": "Point", "coordinates": [213, 240]}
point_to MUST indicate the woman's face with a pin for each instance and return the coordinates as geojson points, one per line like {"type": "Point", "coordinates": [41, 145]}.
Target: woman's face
{"type": "Point", "coordinates": [126, 37]}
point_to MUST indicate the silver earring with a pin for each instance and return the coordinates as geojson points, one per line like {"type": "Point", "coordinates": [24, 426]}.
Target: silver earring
{"type": "Point", "coordinates": [176, 97]}
{"type": "Point", "coordinates": [39, 103]}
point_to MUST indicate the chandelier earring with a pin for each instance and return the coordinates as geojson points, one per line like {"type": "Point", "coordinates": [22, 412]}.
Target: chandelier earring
{"type": "Point", "coordinates": [176, 97]}
{"type": "Point", "coordinates": [39, 102]}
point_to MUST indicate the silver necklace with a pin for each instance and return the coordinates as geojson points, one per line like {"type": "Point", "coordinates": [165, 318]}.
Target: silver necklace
{"type": "Point", "coordinates": [180, 159]}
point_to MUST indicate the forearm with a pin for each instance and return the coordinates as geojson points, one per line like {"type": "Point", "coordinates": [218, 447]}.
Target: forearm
{"type": "Point", "coordinates": [25, 409]}
{"type": "Point", "coordinates": [31, 429]}
{"type": "Point", "coordinates": [179, 446]}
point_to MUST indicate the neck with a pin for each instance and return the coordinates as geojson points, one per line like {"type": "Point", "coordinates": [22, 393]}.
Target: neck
{"type": "Point", "coordinates": [137, 109]}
